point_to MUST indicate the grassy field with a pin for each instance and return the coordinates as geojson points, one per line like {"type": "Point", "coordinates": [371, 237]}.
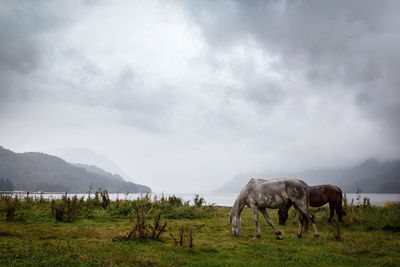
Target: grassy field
{"type": "Point", "coordinates": [30, 234]}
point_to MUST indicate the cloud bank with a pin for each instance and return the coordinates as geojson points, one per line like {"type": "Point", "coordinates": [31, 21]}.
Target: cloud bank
{"type": "Point", "coordinates": [185, 95]}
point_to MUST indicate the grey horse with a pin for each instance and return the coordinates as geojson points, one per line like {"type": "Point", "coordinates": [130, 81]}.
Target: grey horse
{"type": "Point", "coordinates": [262, 194]}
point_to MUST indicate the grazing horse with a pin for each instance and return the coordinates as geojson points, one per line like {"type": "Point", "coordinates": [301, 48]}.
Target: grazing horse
{"type": "Point", "coordinates": [260, 195]}
{"type": "Point", "coordinates": [318, 196]}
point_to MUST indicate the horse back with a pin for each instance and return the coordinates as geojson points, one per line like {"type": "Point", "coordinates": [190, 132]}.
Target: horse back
{"type": "Point", "coordinates": [321, 194]}
{"type": "Point", "coordinates": [273, 193]}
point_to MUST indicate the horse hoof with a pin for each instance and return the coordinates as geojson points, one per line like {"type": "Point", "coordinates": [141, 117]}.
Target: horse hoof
{"type": "Point", "coordinates": [279, 233]}
{"type": "Point", "coordinates": [278, 238]}
{"type": "Point", "coordinates": [316, 236]}
{"type": "Point", "coordinates": [299, 236]}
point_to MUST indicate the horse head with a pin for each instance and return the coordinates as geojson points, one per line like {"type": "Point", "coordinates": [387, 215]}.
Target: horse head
{"type": "Point", "coordinates": [236, 223]}
{"type": "Point", "coordinates": [283, 216]}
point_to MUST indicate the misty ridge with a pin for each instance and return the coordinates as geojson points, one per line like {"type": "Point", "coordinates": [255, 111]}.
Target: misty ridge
{"type": "Point", "coordinates": [370, 176]}
{"type": "Point", "coordinates": [33, 171]}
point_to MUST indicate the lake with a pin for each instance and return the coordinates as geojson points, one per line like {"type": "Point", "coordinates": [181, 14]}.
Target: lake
{"type": "Point", "coordinates": [227, 199]}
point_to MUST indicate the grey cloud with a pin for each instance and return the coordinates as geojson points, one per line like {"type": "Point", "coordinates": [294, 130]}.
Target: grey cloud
{"type": "Point", "coordinates": [221, 102]}
{"type": "Point", "coordinates": [18, 58]}
{"type": "Point", "coordinates": [17, 53]}
{"type": "Point", "coordinates": [348, 46]}
{"type": "Point", "coordinates": [145, 107]}
{"type": "Point", "coordinates": [22, 50]}
{"type": "Point", "coordinates": [34, 66]}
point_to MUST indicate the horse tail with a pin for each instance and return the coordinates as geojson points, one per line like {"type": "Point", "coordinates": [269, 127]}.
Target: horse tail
{"type": "Point", "coordinates": [343, 212]}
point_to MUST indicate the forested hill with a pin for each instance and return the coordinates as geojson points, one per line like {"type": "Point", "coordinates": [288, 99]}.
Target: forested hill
{"type": "Point", "coordinates": [97, 170]}
{"type": "Point", "coordinates": [371, 176]}
{"type": "Point", "coordinates": [33, 171]}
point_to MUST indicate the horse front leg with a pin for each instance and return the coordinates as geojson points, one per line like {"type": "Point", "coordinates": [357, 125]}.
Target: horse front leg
{"type": "Point", "coordinates": [269, 221]}
{"type": "Point", "coordinates": [255, 213]}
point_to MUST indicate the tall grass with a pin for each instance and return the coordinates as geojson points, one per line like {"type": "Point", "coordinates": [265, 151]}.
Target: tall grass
{"type": "Point", "coordinates": [359, 213]}
{"type": "Point", "coordinates": [67, 209]}
{"type": "Point", "coordinates": [362, 213]}
{"type": "Point", "coordinates": [171, 207]}
{"type": "Point", "coordinates": [143, 230]}
{"type": "Point", "coordinates": [34, 237]}
{"type": "Point", "coordinates": [71, 209]}
{"type": "Point", "coordinates": [9, 206]}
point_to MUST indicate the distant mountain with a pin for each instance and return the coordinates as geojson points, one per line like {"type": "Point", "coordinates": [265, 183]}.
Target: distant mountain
{"type": "Point", "coordinates": [34, 171]}
{"type": "Point", "coordinates": [97, 170]}
{"type": "Point", "coordinates": [371, 176]}
{"type": "Point", "coordinates": [6, 185]}
{"type": "Point", "coordinates": [91, 158]}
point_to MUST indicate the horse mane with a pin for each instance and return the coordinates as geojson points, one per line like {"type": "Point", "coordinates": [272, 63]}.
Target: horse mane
{"type": "Point", "coordinates": [238, 205]}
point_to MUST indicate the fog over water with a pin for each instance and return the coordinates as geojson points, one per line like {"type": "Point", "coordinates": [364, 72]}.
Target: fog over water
{"type": "Point", "coordinates": [184, 95]}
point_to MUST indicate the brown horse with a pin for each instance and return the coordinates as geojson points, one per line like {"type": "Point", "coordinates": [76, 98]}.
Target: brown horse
{"type": "Point", "coordinates": [318, 196]}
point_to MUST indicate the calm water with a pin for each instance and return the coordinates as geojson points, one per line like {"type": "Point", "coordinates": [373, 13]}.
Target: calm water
{"type": "Point", "coordinates": [227, 199]}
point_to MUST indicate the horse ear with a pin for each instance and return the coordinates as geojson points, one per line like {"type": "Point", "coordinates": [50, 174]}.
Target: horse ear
{"type": "Point", "coordinates": [228, 214]}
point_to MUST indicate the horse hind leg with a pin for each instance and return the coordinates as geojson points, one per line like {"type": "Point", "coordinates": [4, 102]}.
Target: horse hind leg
{"type": "Point", "coordinates": [310, 217]}
{"type": "Point", "coordinates": [332, 211]}
{"type": "Point", "coordinates": [301, 220]}
{"type": "Point", "coordinates": [339, 211]}
{"type": "Point", "coordinates": [269, 221]}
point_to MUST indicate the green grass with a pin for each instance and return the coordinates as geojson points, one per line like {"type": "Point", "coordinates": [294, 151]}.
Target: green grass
{"type": "Point", "coordinates": [34, 237]}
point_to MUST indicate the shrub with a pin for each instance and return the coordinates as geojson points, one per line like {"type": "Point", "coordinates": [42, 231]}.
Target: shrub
{"type": "Point", "coordinates": [9, 205]}
{"type": "Point", "coordinates": [143, 230]}
{"type": "Point", "coordinates": [120, 207]}
{"type": "Point", "coordinates": [198, 201]}
{"type": "Point", "coordinates": [67, 209]}
{"type": "Point", "coordinates": [105, 199]}
{"type": "Point", "coordinates": [171, 207]}
{"type": "Point", "coordinates": [175, 201]}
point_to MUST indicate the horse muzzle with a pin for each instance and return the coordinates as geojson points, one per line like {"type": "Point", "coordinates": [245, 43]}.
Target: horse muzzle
{"type": "Point", "coordinates": [235, 232]}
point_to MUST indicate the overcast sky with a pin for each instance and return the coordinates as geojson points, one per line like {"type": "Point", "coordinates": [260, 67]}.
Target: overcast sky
{"type": "Point", "coordinates": [184, 95]}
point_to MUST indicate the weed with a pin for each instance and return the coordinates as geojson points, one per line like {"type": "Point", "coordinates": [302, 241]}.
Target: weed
{"type": "Point", "coordinates": [67, 209]}
{"type": "Point", "coordinates": [175, 201]}
{"type": "Point", "coordinates": [143, 230]}
{"type": "Point", "coordinates": [198, 201]}
{"type": "Point", "coordinates": [182, 232]}
{"type": "Point", "coordinates": [105, 199]}
{"type": "Point", "coordinates": [9, 206]}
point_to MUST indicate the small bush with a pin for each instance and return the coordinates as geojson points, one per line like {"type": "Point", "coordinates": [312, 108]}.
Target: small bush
{"type": "Point", "coordinates": [142, 230]}
{"type": "Point", "coordinates": [372, 217]}
{"type": "Point", "coordinates": [9, 206]}
{"type": "Point", "coordinates": [175, 201]}
{"type": "Point", "coordinates": [67, 209]}
{"type": "Point", "coordinates": [105, 199]}
{"type": "Point", "coordinates": [198, 201]}
{"type": "Point", "coordinates": [171, 207]}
